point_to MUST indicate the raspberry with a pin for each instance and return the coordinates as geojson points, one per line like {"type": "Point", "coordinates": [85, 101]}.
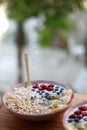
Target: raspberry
{"type": "Point", "coordinates": [83, 108]}
{"type": "Point", "coordinates": [84, 113]}
{"type": "Point", "coordinates": [51, 85]}
{"type": "Point", "coordinates": [35, 86]}
{"type": "Point", "coordinates": [77, 112]}
{"type": "Point", "coordinates": [40, 88]}
{"type": "Point", "coordinates": [80, 116]}
{"type": "Point", "coordinates": [73, 116]}
{"type": "Point", "coordinates": [43, 86]}
{"type": "Point", "coordinates": [50, 88]}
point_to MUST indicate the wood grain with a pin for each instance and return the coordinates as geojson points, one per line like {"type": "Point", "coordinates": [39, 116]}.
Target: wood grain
{"type": "Point", "coordinates": [9, 121]}
{"type": "Point", "coordinates": [27, 69]}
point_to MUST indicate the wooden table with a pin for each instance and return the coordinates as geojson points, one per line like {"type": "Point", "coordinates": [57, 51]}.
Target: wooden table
{"type": "Point", "coordinates": [9, 121]}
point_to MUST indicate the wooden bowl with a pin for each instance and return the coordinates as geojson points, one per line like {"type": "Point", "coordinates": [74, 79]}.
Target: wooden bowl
{"type": "Point", "coordinates": [33, 117]}
{"type": "Point", "coordinates": [67, 113]}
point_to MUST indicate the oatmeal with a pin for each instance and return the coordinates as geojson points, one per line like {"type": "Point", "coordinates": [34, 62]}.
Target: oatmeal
{"type": "Point", "coordinates": [38, 99]}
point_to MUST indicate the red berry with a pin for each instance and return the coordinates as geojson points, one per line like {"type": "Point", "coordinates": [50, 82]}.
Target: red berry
{"type": "Point", "coordinates": [83, 108]}
{"type": "Point", "coordinates": [77, 112]}
{"type": "Point", "coordinates": [73, 116]}
{"type": "Point", "coordinates": [40, 88]}
{"type": "Point", "coordinates": [84, 113]}
{"type": "Point", "coordinates": [50, 88]}
{"type": "Point", "coordinates": [43, 86]}
{"type": "Point", "coordinates": [51, 85]}
{"type": "Point", "coordinates": [80, 116]}
{"type": "Point", "coordinates": [35, 86]}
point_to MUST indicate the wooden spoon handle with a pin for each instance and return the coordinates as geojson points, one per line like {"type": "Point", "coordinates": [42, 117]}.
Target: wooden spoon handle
{"type": "Point", "coordinates": [27, 69]}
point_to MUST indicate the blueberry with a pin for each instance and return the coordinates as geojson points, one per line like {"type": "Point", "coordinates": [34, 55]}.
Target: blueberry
{"type": "Point", "coordinates": [33, 89]}
{"type": "Point", "coordinates": [85, 119]}
{"type": "Point", "coordinates": [76, 120]}
{"type": "Point", "coordinates": [69, 121]}
{"type": "Point", "coordinates": [38, 91]}
{"type": "Point", "coordinates": [58, 93]}
{"type": "Point", "coordinates": [47, 95]}
{"type": "Point", "coordinates": [61, 91]}
{"type": "Point", "coordinates": [43, 91]}
{"type": "Point", "coordinates": [62, 88]}
{"type": "Point", "coordinates": [56, 89]}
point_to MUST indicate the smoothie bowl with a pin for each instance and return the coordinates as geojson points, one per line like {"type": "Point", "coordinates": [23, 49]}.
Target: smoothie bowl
{"type": "Point", "coordinates": [40, 101]}
{"type": "Point", "coordinates": [75, 118]}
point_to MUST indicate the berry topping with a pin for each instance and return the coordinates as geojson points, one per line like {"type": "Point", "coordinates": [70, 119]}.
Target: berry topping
{"type": "Point", "coordinates": [47, 95]}
{"type": "Point", "coordinates": [61, 91]}
{"type": "Point", "coordinates": [76, 120]}
{"type": "Point", "coordinates": [35, 86]}
{"type": "Point", "coordinates": [85, 119]}
{"type": "Point", "coordinates": [43, 86]}
{"type": "Point", "coordinates": [70, 120]}
{"type": "Point", "coordinates": [33, 89]}
{"type": "Point", "coordinates": [80, 116]}
{"type": "Point", "coordinates": [38, 91]}
{"type": "Point", "coordinates": [72, 116]}
{"type": "Point", "coordinates": [84, 113]}
{"type": "Point", "coordinates": [51, 85]}
{"type": "Point", "coordinates": [40, 88]}
{"type": "Point", "coordinates": [78, 112]}
{"type": "Point", "coordinates": [50, 88]}
{"type": "Point", "coordinates": [83, 108]}
{"type": "Point", "coordinates": [56, 89]}
{"type": "Point", "coordinates": [58, 93]}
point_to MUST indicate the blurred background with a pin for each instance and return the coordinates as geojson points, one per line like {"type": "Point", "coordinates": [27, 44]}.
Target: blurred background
{"type": "Point", "coordinates": [53, 32]}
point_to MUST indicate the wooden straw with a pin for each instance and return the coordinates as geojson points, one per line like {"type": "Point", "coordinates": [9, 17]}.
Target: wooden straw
{"type": "Point", "coordinates": [27, 69]}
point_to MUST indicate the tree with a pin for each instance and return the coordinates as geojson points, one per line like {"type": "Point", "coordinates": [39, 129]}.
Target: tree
{"type": "Point", "coordinates": [54, 11]}
{"type": "Point", "coordinates": [20, 11]}
{"type": "Point", "coordinates": [56, 20]}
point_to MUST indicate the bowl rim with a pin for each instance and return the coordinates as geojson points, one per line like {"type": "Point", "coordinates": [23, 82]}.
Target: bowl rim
{"type": "Point", "coordinates": [34, 82]}
{"type": "Point", "coordinates": [66, 114]}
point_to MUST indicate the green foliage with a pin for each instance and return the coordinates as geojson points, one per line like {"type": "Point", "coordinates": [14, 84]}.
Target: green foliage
{"type": "Point", "coordinates": [1, 1]}
{"type": "Point", "coordinates": [45, 37]}
{"type": "Point", "coordinates": [62, 24]}
{"type": "Point", "coordinates": [20, 10]}
{"type": "Point", "coordinates": [55, 12]}
{"type": "Point", "coordinates": [56, 19]}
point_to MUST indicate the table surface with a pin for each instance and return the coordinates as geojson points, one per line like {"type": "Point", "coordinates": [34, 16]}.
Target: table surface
{"type": "Point", "coordinates": [9, 121]}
